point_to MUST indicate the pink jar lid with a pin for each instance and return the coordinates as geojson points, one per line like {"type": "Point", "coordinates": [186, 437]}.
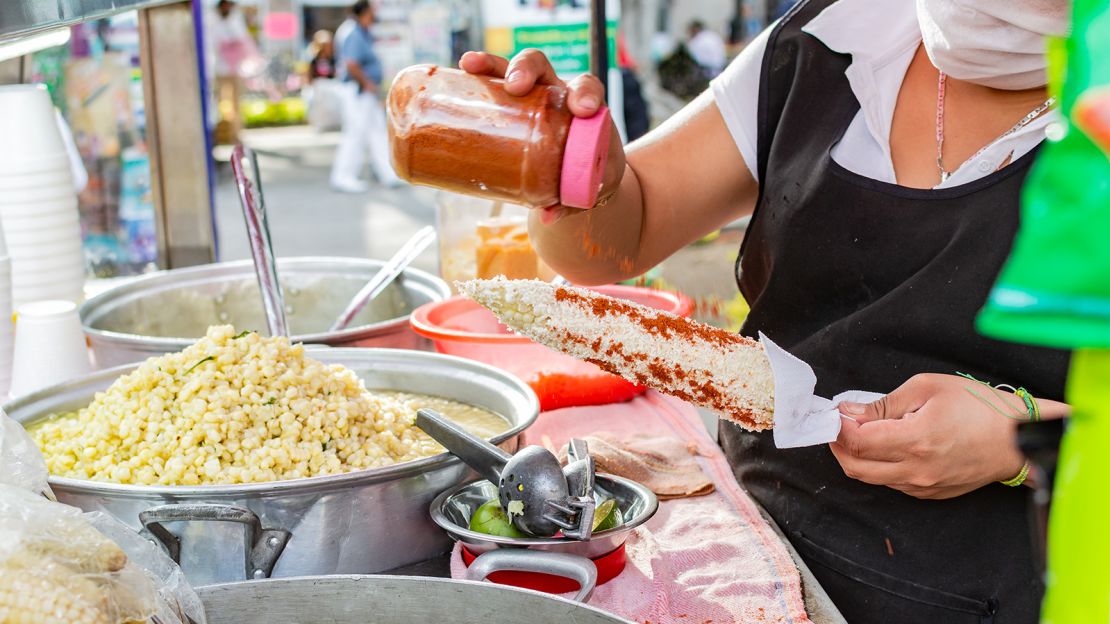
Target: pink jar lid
{"type": "Point", "coordinates": [584, 159]}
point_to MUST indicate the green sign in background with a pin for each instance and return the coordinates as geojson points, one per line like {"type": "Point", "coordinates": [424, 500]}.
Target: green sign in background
{"type": "Point", "coordinates": [567, 45]}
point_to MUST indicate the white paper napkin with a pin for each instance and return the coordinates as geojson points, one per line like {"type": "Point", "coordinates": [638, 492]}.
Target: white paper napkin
{"type": "Point", "coordinates": [801, 417]}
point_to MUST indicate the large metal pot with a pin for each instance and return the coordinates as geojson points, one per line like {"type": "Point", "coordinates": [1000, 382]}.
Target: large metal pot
{"type": "Point", "coordinates": [360, 522]}
{"type": "Point", "coordinates": [167, 311]}
{"type": "Point", "coordinates": [389, 600]}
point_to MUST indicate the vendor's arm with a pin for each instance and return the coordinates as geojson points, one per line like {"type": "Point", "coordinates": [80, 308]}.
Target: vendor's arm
{"type": "Point", "coordinates": [936, 436]}
{"type": "Point", "coordinates": [682, 181]}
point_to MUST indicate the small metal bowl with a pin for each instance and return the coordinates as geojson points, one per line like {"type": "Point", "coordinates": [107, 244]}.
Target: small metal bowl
{"type": "Point", "coordinates": [452, 510]}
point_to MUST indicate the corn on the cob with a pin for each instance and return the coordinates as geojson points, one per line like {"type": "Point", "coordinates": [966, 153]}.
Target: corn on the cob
{"type": "Point", "coordinates": [707, 366]}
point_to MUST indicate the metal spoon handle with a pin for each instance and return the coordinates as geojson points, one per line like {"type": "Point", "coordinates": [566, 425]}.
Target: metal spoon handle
{"type": "Point", "coordinates": [385, 276]}
{"type": "Point", "coordinates": [480, 455]}
{"type": "Point", "coordinates": [258, 232]}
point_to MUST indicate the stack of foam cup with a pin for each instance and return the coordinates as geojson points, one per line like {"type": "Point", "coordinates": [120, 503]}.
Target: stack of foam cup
{"type": "Point", "coordinates": [6, 327]}
{"type": "Point", "coordinates": [38, 203]}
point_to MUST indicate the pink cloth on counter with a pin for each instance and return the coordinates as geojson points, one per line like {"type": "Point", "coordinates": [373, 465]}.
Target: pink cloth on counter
{"type": "Point", "coordinates": [699, 560]}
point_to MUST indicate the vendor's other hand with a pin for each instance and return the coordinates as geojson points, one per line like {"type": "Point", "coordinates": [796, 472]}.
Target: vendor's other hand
{"type": "Point", "coordinates": [586, 95]}
{"type": "Point", "coordinates": [930, 438]}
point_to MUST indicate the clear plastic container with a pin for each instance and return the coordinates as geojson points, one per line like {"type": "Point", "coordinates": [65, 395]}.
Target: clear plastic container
{"type": "Point", "coordinates": [480, 238]}
{"type": "Point", "coordinates": [463, 133]}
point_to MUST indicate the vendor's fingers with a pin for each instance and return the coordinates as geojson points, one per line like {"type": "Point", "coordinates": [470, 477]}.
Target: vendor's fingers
{"type": "Point", "coordinates": [528, 69]}
{"type": "Point", "coordinates": [868, 470]}
{"type": "Point", "coordinates": [907, 398]}
{"type": "Point", "coordinates": [888, 441]}
{"type": "Point", "coordinates": [484, 63]}
{"type": "Point", "coordinates": [552, 214]}
{"type": "Point", "coordinates": [587, 94]}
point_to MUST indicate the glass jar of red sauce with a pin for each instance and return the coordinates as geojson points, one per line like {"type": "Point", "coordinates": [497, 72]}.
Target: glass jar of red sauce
{"type": "Point", "coordinates": [463, 133]}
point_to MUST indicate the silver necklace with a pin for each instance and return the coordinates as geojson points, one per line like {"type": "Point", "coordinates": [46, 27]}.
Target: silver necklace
{"type": "Point", "coordinates": [1025, 121]}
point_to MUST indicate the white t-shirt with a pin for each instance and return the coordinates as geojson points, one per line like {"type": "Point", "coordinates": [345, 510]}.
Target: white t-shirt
{"type": "Point", "coordinates": [882, 38]}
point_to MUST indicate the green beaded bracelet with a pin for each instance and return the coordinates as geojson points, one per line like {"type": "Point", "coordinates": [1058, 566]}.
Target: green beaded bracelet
{"type": "Point", "coordinates": [1022, 475]}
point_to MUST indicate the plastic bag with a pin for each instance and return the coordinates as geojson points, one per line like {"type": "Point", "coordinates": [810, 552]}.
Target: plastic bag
{"type": "Point", "coordinates": [56, 566]}
{"type": "Point", "coordinates": [325, 104]}
{"type": "Point", "coordinates": [21, 463]}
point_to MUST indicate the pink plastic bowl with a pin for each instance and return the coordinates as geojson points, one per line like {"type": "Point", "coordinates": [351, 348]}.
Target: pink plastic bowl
{"type": "Point", "coordinates": [459, 326]}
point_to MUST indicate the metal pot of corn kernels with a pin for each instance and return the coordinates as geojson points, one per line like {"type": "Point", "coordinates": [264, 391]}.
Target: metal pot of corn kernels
{"type": "Point", "coordinates": [358, 522]}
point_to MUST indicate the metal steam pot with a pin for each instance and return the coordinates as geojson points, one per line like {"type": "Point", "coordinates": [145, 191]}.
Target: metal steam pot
{"type": "Point", "coordinates": [356, 523]}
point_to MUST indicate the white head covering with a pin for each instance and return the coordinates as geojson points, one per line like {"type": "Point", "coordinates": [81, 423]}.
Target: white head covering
{"type": "Point", "coordinates": [995, 43]}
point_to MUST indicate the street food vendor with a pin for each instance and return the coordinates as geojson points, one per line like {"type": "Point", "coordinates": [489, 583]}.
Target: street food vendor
{"type": "Point", "coordinates": [880, 148]}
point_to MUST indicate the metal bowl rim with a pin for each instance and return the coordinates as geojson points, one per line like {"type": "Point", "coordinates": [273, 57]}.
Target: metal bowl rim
{"type": "Point", "coordinates": [367, 475]}
{"type": "Point", "coordinates": [91, 305]}
{"type": "Point", "coordinates": [460, 533]}
{"type": "Point", "coordinates": [422, 579]}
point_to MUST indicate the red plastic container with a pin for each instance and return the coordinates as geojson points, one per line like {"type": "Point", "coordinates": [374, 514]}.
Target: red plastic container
{"type": "Point", "coordinates": [459, 326]}
{"type": "Point", "coordinates": [609, 567]}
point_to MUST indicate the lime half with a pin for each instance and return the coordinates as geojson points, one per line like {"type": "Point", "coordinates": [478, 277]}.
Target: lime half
{"type": "Point", "coordinates": [607, 516]}
{"type": "Point", "coordinates": [491, 519]}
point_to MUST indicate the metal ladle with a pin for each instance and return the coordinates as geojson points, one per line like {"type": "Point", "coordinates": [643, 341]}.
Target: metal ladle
{"type": "Point", "coordinates": [244, 164]}
{"type": "Point", "coordinates": [532, 478]}
{"type": "Point", "coordinates": [385, 276]}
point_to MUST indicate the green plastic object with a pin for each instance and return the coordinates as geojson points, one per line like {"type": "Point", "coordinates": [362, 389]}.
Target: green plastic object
{"type": "Point", "coordinates": [1078, 578]}
{"type": "Point", "coordinates": [1055, 291]}
{"type": "Point", "coordinates": [1055, 288]}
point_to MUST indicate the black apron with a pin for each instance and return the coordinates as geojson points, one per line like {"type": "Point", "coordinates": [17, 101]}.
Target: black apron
{"type": "Point", "coordinates": [871, 283]}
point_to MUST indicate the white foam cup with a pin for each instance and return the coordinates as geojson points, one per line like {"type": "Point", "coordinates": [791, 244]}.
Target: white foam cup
{"type": "Point", "coordinates": [57, 175]}
{"type": "Point", "coordinates": [29, 128]}
{"type": "Point", "coordinates": [39, 209]}
{"type": "Point", "coordinates": [44, 246]}
{"type": "Point", "coordinates": [49, 348]}
{"type": "Point", "coordinates": [54, 219]}
{"type": "Point", "coordinates": [36, 195]}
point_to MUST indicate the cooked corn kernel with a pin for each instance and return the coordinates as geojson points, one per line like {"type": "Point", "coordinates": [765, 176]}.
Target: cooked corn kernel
{"type": "Point", "coordinates": [242, 409]}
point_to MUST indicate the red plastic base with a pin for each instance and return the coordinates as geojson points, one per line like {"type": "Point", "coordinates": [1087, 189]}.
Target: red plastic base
{"type": "Point", "coordinates": [608, 568]}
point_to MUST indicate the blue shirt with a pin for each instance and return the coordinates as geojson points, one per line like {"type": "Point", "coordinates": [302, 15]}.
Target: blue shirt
{"type": "Point", "coordinates": [353, 42]}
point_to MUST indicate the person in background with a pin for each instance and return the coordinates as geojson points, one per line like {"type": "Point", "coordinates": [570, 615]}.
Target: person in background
{"type": "Point", "coordinates": [320, 56]}
{"type": "Point", "coordinates": [637, 119]}
{"type": "Point", "coordinates": [364, 127]}
{"type": "Point", "coordinates": [233, 46]}
{"type": "Point", "coordinates": [707, 47]}
{"type": "Point", "coordinates": [323, 95]}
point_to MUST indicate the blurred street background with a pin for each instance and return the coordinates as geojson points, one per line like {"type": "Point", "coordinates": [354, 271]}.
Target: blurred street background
{"type": "Point", "coordinates": [272, 78]}
{"type": "Point", "coordinates": [655, 47]}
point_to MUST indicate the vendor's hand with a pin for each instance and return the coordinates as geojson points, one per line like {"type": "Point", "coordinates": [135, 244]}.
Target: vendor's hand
{"type": "Point", "coordinates": [931, 438]}
{"type": "Point", "coordinates": [586, 95]}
